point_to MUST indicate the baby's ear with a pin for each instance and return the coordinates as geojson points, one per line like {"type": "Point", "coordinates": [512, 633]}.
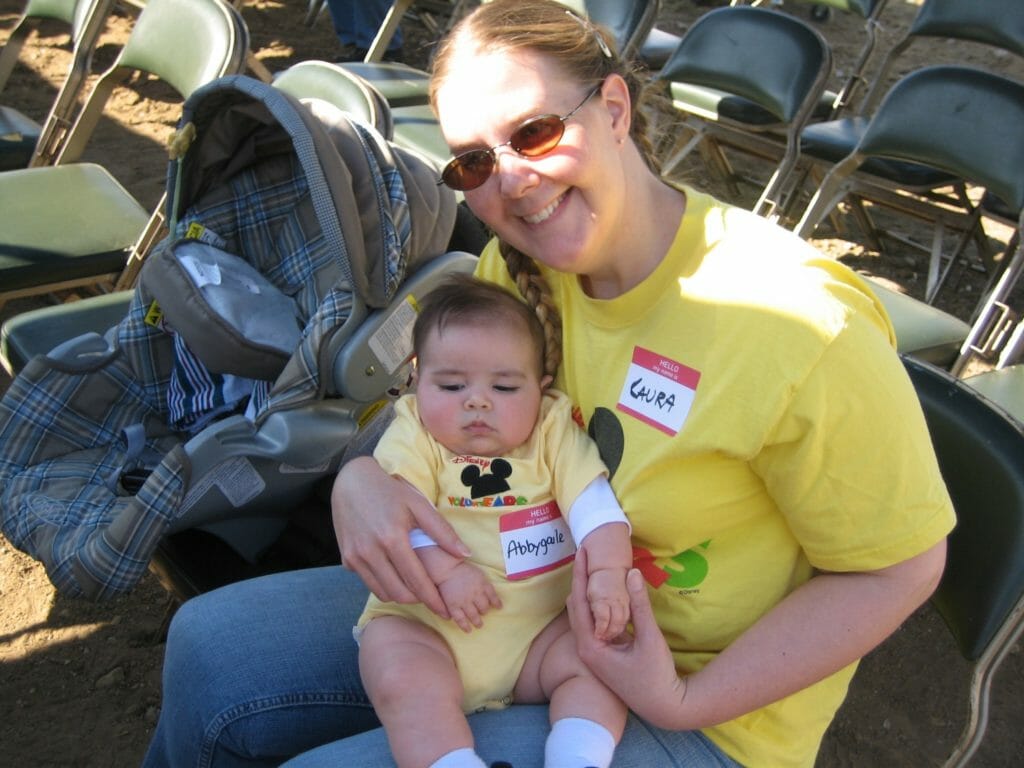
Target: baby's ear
{"type": "Point", "coordinates": [545, 382]}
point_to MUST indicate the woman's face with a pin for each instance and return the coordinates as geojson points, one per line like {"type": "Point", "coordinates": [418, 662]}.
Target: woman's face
{"type": "Point", "coordinates": [563, 208]}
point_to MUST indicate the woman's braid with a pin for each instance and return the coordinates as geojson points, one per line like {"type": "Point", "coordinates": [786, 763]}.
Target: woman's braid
{"type": "Point", "coordinates": [535, 289]}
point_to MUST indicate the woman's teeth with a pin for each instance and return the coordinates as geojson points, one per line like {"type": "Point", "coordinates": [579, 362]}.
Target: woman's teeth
{"type": "Point", "coordinates": [537, 218]}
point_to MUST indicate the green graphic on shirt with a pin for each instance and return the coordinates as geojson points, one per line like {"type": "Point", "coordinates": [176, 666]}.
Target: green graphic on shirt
{"type": "Point", "coordinates": [694, 568]}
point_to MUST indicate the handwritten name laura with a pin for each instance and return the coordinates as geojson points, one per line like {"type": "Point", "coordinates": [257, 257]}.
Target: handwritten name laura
{"type": "Point", "coordinates": [659, 398]}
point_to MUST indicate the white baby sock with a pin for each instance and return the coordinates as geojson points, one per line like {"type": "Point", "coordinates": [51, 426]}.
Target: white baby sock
{"type": "Point", "coordinates": [578, 743]}
{"type": "Point", "coordinates": [459, 758]}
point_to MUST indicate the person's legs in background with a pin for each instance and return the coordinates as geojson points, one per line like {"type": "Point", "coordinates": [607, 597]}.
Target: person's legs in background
{"type": "Point", "coordinates": [356, 23]}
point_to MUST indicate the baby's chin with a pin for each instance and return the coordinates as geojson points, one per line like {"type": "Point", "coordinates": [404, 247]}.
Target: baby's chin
{"type": "Point", "coordinates": [485, 448]}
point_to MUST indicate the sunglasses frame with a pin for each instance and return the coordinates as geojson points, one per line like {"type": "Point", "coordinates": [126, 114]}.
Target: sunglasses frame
{"type": "Point", "coordinates": [452, 164]}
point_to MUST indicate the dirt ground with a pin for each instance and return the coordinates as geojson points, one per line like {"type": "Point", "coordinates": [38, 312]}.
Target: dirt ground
{"type": "Point", "coordinates": [80, 682]}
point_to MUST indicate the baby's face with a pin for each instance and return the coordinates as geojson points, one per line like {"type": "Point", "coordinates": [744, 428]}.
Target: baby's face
{"type": "Point", "coordinates": [479, 389]}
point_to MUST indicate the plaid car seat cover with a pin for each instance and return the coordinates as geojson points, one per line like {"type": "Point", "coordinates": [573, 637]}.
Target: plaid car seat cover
{"type": "Point", "coordinates": [325, 209]}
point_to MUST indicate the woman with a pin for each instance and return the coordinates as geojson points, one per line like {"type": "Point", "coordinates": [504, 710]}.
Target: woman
{"type": "Point", "coordinates": [738, 386]}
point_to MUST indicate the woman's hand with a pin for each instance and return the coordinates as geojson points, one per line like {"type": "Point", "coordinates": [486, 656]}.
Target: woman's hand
{"type": "Point", "coordinates": [373, 513]}
{"type": "Point", "coordinates": [821, 627]}
{"type": "Point", "coordinates": [638, 667]}
{"type": "Point", "coordinates": [609, 601]}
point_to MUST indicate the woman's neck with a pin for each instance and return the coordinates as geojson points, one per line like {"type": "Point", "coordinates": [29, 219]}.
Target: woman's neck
{"type": "Point", "coordinates": [651, 216]}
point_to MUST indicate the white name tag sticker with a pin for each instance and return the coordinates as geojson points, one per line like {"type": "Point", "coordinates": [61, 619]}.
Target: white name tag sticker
{"type": "Point", "coordinates": [658, 391]}
{"type": "Point", "coordinates": [535, 540]}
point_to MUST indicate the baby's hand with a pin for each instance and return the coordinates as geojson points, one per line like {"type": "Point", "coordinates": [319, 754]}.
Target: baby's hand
{"type": "Point", "coordinates": [609, 602]}
{"type": "Point", "coordinates": [468, 595]}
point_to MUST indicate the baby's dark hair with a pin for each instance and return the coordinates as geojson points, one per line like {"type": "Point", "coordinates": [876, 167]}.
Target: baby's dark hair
{"type": "Point", "coordinates": [462, 299]}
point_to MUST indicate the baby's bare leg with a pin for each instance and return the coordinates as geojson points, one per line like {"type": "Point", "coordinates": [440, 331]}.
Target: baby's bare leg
{"type": "Point", "coordinates": [410, 677]}
{"type": "Point", "coordinates": [553, 672]}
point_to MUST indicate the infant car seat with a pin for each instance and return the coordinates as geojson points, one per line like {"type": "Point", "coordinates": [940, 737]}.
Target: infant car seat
{"type": "Point", "coordinates": [264, 337]}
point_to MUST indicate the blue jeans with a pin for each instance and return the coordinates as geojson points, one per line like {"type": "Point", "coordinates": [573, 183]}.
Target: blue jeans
{"type": "Point", "coordinates": [356, 22]}
{"type": "Point", "coordinates": [266, 670]}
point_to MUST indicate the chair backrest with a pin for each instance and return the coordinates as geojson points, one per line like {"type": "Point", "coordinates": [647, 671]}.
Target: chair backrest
{"type": "Point", "coordinates": [980, 455]}
{"type": "Point", "coordinates": [769, 58]}
{"type": "Point", "coordinates": [629, 21]}
{"type": "Point", "coordinates": [184, 43]}
{"type": "Point", "coordinates": [338, 86]}
{"type": "Point", "coordinates": [999, 23]}
{"type": "Point", "coordinates": [961, 120]}
{"type": "Point", "coordinates": [996, 23]}
{"type": "Point", "coordinates": [927, 118]}
{"type": "Point", "coordinates": [855, 71]}
{"type": "Point", "coordinates": [778, 66]}
{"type": "Point", "coordinates": [981, 594]}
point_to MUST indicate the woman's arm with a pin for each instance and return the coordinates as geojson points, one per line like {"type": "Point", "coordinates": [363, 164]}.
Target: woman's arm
{"type": "Point", "coordinates": [821, 627]}
{"type": "Point", "coordinates": [373, 514]}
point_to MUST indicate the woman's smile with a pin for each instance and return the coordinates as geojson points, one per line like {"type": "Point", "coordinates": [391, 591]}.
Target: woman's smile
{"type": "Point", "coordinates": [546, 213]}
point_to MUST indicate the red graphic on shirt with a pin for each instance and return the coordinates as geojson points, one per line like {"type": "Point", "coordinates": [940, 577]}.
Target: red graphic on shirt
{"type": "Point", "coordinates": [577, 416]}
{"type": "Point", "coordinates": [643, 561]}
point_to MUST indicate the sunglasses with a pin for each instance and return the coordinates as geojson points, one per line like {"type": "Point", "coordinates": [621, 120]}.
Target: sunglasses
{"type": "Point", "coordinates": [533, 138]}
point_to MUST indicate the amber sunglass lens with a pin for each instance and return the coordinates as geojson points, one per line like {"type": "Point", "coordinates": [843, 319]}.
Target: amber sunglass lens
{"type": "Point", "coordinates": [469, 170]}
{"type": "Point", "coordinates": [538, 136]}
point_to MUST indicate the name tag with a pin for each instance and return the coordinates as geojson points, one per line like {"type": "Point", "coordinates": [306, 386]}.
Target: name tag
{"type": "Point", "coordinates": [535, 540]}
{"type": "Point", "coordinates": [658, 391]}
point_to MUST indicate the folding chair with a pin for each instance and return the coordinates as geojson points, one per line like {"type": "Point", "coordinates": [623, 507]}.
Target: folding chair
{"type": "Point", "coordinates": [23, 141]}
{"type": "Point", "coordinates": [856, 75]}
{"type": "Point", "coordinates": [753, 131]}
{"type": "Point", "coordinates": [72, 224]}
{"type": "Point", "coordinates": [777, 65]}
{"type": "Point", "coordinates": [981, 594]}
{"type": "Point", "coordinates": [911, 189]}
{"type": "Point", "coordinates": [38, 331]}
{"type": "Point", "coordinates": [924, 120]}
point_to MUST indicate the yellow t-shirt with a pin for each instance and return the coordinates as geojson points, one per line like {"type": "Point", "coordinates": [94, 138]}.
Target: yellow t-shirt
{"type": "Point", "coordinates": [758, 425]}
{"type": "Point", "coordinates": [509, 512]}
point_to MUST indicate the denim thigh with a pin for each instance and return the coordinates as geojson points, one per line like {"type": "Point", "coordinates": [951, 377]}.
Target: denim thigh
{"type": "Point", "coordinates": [516, 735]}
{"type": "Point", "coordinates": [262, 670]}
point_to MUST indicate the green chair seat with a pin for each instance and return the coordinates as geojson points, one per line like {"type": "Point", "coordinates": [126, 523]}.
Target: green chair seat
{"type": "Point", "coordinates": [37, 331]}
{"type": "Point", "coordinates": [835, 139]}
{"type": "Point", "coordinates": [99, 222]}
{"type": "Point", "coordinates": [923, 331]}
{"type": "Point", "coordinates": [715, 104]}
{"type": "Point", "coordinates": [1004, 387]}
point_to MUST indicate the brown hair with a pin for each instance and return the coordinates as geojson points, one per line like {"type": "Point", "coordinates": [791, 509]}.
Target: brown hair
{"type": "Point", "coordinates": [466, 300]}
{"type": "Point", "coordinates": [586, 52]}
